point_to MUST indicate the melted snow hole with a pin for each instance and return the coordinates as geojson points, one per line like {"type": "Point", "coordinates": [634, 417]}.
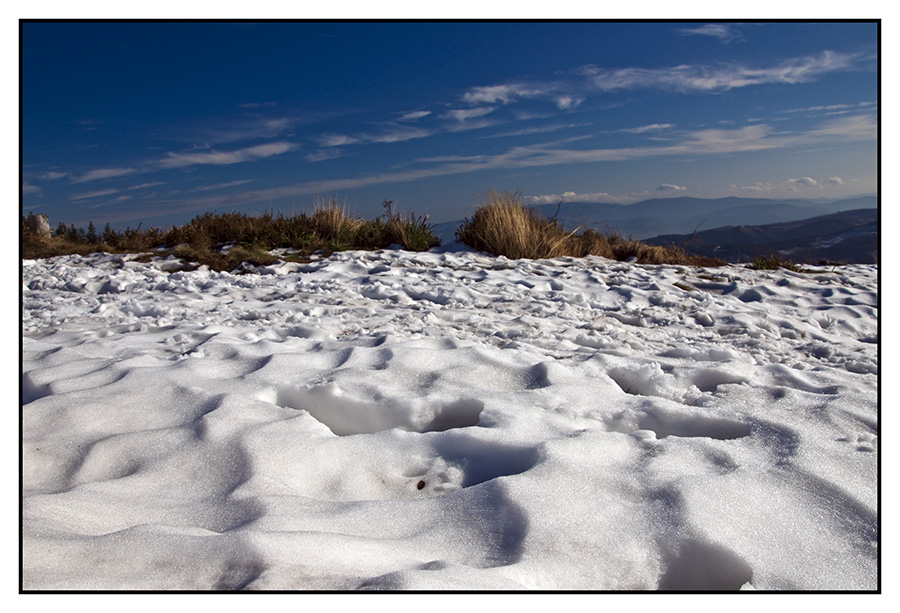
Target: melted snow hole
{"type": "Point", "coordinates": [346, 416]}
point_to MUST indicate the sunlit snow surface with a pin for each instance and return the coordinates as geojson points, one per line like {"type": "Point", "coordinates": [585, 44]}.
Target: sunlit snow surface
{"type": "Point", "coordinates": [448, 420]}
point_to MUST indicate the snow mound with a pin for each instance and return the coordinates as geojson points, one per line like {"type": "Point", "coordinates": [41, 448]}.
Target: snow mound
{"type": "Point", "coordinates": [448, 421]}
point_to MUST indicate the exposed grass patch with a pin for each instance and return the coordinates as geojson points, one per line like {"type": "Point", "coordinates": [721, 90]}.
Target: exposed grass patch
{"type": "Point", "coordinates": [504, 226]}
{"type": "Point", "coordinates": [773, 262]}
{"type": "Point", "coordinates": [684, 286]}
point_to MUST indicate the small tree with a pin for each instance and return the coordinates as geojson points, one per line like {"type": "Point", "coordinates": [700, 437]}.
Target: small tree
{"type": "Point", "coordinates": [91, 235]}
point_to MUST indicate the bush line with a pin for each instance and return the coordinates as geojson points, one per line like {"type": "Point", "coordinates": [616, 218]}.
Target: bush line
{"type": "Point", "coordinates": [501, 226]}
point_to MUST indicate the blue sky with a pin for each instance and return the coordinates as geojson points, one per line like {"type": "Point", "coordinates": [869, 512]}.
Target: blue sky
{"type": "Point", "coordinates": [155, 123]}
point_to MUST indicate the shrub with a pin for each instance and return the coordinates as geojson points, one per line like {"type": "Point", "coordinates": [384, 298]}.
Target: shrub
{"type": "Point", "coordinates": [413, 233]}
{"type": "Point", "coordinates": [329, 228]}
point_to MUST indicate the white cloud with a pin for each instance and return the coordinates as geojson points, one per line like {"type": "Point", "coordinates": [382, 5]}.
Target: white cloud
{"type": "Point", "coordinates": [685, 78]}
{"type": "Point", "coordinates": [790, 185]}
{"type": "Point", "coordinates": [653, 127]}
{"type": "Point", "coordinates": [182, 160]}
{"type": "Point", "coordinates": [96, 194]}
{"type": "Point", "coordinates": [537, 130]}
{"type": "Point", "coordinates": [27, 188]}
{"type": "Point", "coordinates": [321, 155]}
{"type": "Point", "coordinates": [571, 197]}
{"type": "Point", "coordinates": [491, 94]}
{"type": "Point", "coordinates": [855, 127]}
{"type": "Point", "coordinates": [398, 134]}
{"type": "Point", "coordinates": [215, 186]}
{"type": "Point", "coordinates": [567, 102]}
{"type": "Point", "coordinates": [145, 185]}
{"type": "Point", "coordinates": [414, 115]}
{"type": "Point", "coordinates": [723, 32]}
{"type": "Point", "coordinates": [668, 187]}
{"type": "Point", "coordinates": [803, 182]}
{"type": "Point", "coordinates": [337, 140]}
{"type": "Point", "coordinates": [466, 114]}
{"type": "Point", "coordinates": [103, 173]}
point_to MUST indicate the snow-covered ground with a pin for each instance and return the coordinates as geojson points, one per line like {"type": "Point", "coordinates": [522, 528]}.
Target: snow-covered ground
{"type": "Point", "coordinates": [448, 420]}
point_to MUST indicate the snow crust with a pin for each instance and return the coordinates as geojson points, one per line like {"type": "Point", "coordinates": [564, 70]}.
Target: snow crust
{"type": "Point", "coordinates": [448, 421]}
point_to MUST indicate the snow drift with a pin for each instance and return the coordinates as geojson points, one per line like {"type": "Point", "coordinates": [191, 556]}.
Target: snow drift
{"type": "Point", "coordinates": [448, 420]}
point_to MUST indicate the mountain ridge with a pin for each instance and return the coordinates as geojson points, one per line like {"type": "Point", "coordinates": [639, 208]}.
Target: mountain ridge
{"type": "Point", "coordinates": [848, 237]}
{"type": "Point", "coordinates": [686, 214]}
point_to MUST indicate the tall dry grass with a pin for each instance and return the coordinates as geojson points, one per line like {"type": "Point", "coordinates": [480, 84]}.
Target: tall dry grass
{"type": "Point", "coordinates": [504, 226]}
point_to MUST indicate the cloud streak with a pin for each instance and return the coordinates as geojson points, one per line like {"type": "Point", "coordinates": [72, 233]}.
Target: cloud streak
{"type": "Point", "coordinates": [723, 32]}
{"type": "Point", "coordinates": [710, 79]}
{"type": "Point", "coordinates": [224, 158]}
{"type": "Point", "coordinates": [103, 173]}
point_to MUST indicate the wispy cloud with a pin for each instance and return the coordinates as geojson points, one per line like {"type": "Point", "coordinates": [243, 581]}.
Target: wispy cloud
{"type": "Point", "coordinates": [322, 155]}
{"type": "Point", "coordinates": [466, 114]}
{"type": "Point", "coordinates": [653, 127]}
{"type": "Point", "coordinates": [537, 130]}
{"type": "Point", "coordinates": [103, 173]}
{"type": "Point", "coordinates": [397, 134]}
{"type": "Point", "coordinates": [145, 185]}
{"type": "Point", "coordinates": [412, 116]}
{"type": "Point", "coordinates": [568, 102]}
{"type": "Point", "coordinates": [390, 132]}
{"type": "Point", "coordinates": [505, 93]}
{"type": "Point", "coordinates": [669, 187]}
{"type": "Point", "coordinates": [207, 188]}
{"type": "Point", "coordinates": [757, 137]}
{"type": "Point", "coordinates": [94, 194]}
{"type": "Point", "coordinates": [221, 158]}
{"type": "Point", "coordinates": [723, 32]}
{"type": "Point", "coordinates": [28, 188]}
{"type": "Point", "coordinates": [704, 78]}
{"type": "Point", "coordinates": [571, 90]}
{"type": "Point", "coordinates": [239, 129]}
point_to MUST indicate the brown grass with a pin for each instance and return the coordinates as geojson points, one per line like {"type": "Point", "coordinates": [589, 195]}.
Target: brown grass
{"type": "Point", "coordinates": [504, 226]}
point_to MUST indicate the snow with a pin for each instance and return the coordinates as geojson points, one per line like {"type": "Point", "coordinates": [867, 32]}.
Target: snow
{"type": "Point", "coordinates": [448, 420]}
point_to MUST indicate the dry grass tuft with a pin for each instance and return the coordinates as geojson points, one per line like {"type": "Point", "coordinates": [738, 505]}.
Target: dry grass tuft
{"type": "Point", "coordinates": [504, 226]}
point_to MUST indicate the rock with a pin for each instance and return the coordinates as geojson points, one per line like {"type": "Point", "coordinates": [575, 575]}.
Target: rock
{"type": "Point", "coordinates": [40, 225]}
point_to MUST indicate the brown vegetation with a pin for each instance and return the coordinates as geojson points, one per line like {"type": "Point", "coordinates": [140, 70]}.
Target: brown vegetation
{"type": "Point", "coordinates": [329, 228]}
{"type": "Point", "coordinates": [504, 226]}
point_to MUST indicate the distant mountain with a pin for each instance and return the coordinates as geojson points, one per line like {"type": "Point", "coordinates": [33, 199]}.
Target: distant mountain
{"type": "Point", "coordinates": [848, 237]}
{"type": "Point", "coordinates": [684, 215]}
